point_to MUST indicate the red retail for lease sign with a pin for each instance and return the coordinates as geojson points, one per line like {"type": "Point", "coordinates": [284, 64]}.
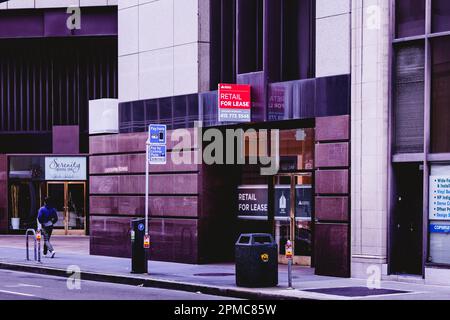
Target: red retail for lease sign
{"type": "Point", "coordinates": [234, 102]}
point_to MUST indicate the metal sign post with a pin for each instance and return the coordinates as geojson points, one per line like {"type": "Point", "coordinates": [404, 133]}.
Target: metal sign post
{"type": "Point", "coordinates": [156, 154]}
{"type": "Point", "coordinates": [289, 257]}
{"type": "Point", "coordinates": [146, 185]}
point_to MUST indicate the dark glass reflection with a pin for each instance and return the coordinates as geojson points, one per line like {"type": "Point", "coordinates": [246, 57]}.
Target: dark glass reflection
{"type": "Point", "coordinates": [440, 113]}
{"type": "Point", "coordinates": [409, 98]}
{"type": "Point", "coordinates": [410, 18]}
{"type": "Point", "coordinates": [440, 15]}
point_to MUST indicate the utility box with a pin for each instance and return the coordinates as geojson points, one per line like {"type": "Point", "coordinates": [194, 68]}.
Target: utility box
{"type": "Point", "coordinates": [139, 262]}
{"type": "Point", "coordinates": [256, 261]}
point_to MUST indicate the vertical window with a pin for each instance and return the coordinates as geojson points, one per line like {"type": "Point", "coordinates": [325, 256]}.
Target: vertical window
{"type": "Point", "coordinates": [410, 18]}
{"type": "Point", "coordinates": [250, 35]}
{"type": "Point", "coordinates": [440, 15]}
{"type": "Point", "coordinates": [440, 95]}
{"type": "Point", "coordinates": [409, 98]}
{"type": "Point", "coordinates": [223, 39]}
{"type": "Point", "coordinates": [298, 20]}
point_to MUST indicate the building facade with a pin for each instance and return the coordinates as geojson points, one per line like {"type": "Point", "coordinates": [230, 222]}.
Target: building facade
{"type": "Point", "coordinates": [52, 64]}
{"type": "Point", "coordinates": [355, 89]}
{"type": "Point", "coordinates": [173, 54]}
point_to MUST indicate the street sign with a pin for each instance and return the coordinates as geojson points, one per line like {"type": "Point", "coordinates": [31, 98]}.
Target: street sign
{"type": "Point", "coordinates": [157, 134]}
{"type": "Point", "coordinates": [157, 154]}
{"type": "Point", "coordinates": [157, 147]}
{"type": "Point", "coordinates": [156, 150]}
{"type": "Point", "coordinates": [234, 102]}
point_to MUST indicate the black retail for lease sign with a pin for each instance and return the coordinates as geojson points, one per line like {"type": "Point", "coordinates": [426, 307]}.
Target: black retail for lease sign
{"type": "Point", "coordinates": [253, 201]}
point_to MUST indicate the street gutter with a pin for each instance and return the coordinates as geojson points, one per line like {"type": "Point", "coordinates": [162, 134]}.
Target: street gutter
{"type": "Point", "coordinates": [152, 283]}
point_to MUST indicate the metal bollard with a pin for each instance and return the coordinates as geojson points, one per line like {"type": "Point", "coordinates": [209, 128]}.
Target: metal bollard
{"type": "Point", "coordinates": [38, 240]}
{"type": "Point", "coordinates": [37, 245]}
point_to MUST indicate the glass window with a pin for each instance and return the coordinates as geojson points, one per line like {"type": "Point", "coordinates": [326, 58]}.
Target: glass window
{"type": "Point", "coordinates": [439, 227]}
{"type": "Point", "coordinates": [440, 95]}
{"type": "Point", "coordinates": [410, 18]}
{"type": "Point", "coordinates": [297, 149]}
{"type": "Point", "coordinates": [409, 98]}
{"type": "Point", "coordinates": [27, 168]}
{"type": "Point", "coordinates": [250, 35]}
{"type": "Point", "coordinates": [222, 42]}
{"type": "Point", "coordinates": [298, 39]}
{"type": "Point", "coordinates": [440, 15]}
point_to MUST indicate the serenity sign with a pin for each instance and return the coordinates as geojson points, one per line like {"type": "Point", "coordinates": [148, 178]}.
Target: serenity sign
{"type": "Point", "coordinates": [65, 168]}
{"type": "Point", "coordinates": [234, 102]}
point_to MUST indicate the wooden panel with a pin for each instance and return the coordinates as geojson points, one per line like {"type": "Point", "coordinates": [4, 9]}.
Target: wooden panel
{"type": "Point", "coordinates": [332, 155]}
{"type": "Point", "coordinates": [161, 206]}
{"type": "Point", "coordinates": [173, 240]}
{"type": "Point", "coordinates": [332, 182]}
{"type": "Point", "coordinates": [135, 163]}
{"type": "Point", "coordinates": [159, 184]}
{"type": "Point", "coordinates": [333, 128]}
{"type": "Point", "coordinates": [3, 194]}
{"type": "Point", "coordinates": [332, 209]}
{"type": "Point", "coordinates": [332, 250]}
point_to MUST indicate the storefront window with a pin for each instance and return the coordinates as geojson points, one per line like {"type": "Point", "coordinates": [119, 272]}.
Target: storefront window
{"type": "Point", "coordinates": [26, 168]}
{"type": "Point", "coordinates": [296, 149]}
{"type": "Point", "coordinates": [439, 215]}
{"type": "Point", "coordinates": [410, 18]}
{"type": "Point", "coordinates": [292, 195]}
{"type": "Point", "coordinates": [303, 202]}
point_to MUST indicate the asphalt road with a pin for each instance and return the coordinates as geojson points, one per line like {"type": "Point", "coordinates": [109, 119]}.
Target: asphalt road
{"type": "Point", "coordinates": [27, 286]}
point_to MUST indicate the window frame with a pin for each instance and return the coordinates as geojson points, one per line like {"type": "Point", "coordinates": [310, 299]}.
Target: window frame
{"type": "Point", "coordinates": [427, 158]}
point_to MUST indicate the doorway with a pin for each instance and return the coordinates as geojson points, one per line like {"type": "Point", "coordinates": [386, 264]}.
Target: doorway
{"type": "Point", "coordinates": [293, 219]}
{"type": "Point", "coordinates": [407, 222]}
{"type": "Point", "coordinates": [69, 200]}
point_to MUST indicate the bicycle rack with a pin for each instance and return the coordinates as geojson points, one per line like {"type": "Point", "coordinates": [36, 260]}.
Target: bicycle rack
{"type": "Point", "coordinates": [37, 246]}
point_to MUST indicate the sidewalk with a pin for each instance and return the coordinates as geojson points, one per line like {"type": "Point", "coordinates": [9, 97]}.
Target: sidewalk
{"type": "Point", "coordinates": [217, 279]}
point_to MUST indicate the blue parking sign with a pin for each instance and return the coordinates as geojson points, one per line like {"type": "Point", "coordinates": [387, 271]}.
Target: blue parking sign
{"type": "Point", "coordinates": [157, 134]}
{"type": "Point", "coordinates": [157, 150]}
{"type": "Point", "coordinates": [157, 154]}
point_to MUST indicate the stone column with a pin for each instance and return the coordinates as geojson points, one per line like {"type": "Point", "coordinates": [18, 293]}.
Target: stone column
{"type": "Point", "coordinates": [369, 137]}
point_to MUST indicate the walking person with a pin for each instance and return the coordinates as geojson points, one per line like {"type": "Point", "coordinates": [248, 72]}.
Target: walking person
{"type": "Point", "coordinates": [47, 217]}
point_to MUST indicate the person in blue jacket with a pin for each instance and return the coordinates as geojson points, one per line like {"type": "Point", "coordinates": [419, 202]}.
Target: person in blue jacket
{"type": "Point", "coordinates": [47, 217]}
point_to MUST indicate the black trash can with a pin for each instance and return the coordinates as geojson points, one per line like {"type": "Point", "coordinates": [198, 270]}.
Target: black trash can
{"type": "Point", "coordinates": [256, 261]}
{"type": "Point", "coordinates": [138, 252]}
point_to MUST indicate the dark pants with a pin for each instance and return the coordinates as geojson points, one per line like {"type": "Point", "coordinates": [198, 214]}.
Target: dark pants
{"type": "Point", "coordinates": [47, 233]}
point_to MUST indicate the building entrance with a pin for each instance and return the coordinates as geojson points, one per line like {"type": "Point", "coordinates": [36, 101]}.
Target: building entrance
{"type": "Point", "coordinates": [406, 254]}
{"type": "Point", "coordinates": [69, 199]}
{"type": "Point", "coordinates": [293, 200]}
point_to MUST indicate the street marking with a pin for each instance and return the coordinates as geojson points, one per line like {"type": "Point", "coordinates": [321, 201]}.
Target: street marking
{"type": "Point", "coordinates": [21, 285]}
{"type": "Point", "coordinates": [17, 293]}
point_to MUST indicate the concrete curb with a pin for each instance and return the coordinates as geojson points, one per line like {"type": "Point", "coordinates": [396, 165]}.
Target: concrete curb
{"type": "Point", "coordinates": [151, 282]}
